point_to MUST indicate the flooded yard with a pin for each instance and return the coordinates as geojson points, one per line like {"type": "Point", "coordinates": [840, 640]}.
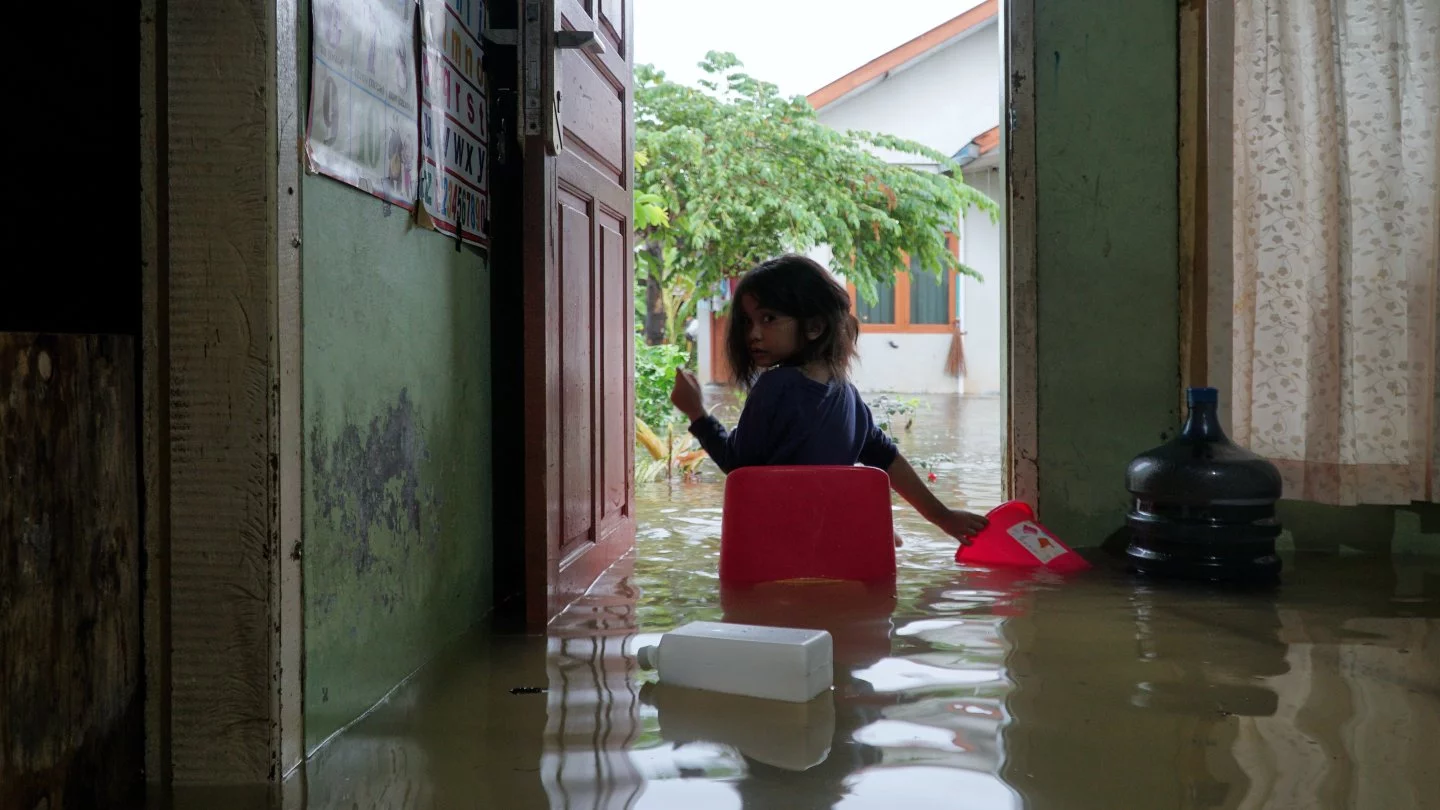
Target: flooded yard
{"type": "Point", "coordinates": [957, 439]}
{"type": "Point", "coordinates": [958, 688]}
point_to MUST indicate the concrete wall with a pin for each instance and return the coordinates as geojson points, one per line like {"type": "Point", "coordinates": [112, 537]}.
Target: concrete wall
{"type": "Point", "coordinates": [915, 362]}
{"type": "Point", "coordinates": [912, 103]}
{"type": "Point", "coordinates": [981, 301]}
{"type": "Point", "coordinates": [397, 464]}
{"type": "Point", "coordinates": [1107, 222]}
{"type": "Point", "coordinates": [1107, 253]}
{"type": "Point", "coordinates": [898, 362]}
{"type": "Point", "coordinates": [904, 363]}
{"type": "Point", "coordinates": [942, 102]}
{"type": "Point", "coordinates": [704, 342]}
{"type": "Point", "coordinates": [1408, 530]}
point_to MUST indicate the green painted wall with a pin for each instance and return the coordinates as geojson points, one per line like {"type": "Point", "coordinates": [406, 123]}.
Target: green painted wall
{"type": "Point", "coordinates": [1107, 220]}
{"type": "Point", "coordinates": [1413, 529]}
{"type": "Point", "coordinates": [397, 465]}
{"type": "Point", "coordinates": [397, 482]}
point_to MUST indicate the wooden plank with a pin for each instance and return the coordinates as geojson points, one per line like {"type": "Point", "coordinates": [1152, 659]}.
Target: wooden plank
{"type": "Point", "coordinates": [287, 433]}
{"type": "Point", "coordinates": [593, 114]}
{"type": "Point", "coordinates": [70, 675]}
{"type": "Point", "coordinates": [1193, 203]}
{"type": "Point", "coordinates": [154, 325]}
{"type": "Point", "coordinates": [218, 392]}
{"type": "Point", "coordinates": [222, 418]}
{"type": "Point", "coordinates": [1219, 194]}
{"type": "Point", "coordinates": [616, 305]}
{"type": "Point", "coordinates": [1022, 311]}
{"type": "Point", "coordinates": [578, 386]}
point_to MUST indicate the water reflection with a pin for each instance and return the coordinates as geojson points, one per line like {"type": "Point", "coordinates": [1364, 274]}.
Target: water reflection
{"type": "Point", "coordinates": [997, 688]}
{"type": "Point", "coordinates": [789, 736]}
{"type": "Point", "coordinates": [593, 711]}
{"type": "Point", "coordinates": [956, 688]}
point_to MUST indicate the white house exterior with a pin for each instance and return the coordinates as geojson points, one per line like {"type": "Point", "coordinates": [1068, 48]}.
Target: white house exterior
{"type": "Point", "coordinates": [942, 89]}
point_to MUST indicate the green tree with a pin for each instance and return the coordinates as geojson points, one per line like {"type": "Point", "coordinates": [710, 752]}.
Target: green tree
{"type": "Point", "coordinates": [732, 173]}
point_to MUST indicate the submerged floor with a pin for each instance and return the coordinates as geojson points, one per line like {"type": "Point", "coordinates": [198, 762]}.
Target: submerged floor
{"type": "Point", "coordinates": [959, 689]}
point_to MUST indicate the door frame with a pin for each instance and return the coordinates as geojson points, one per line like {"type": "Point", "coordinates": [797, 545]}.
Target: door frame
{"type": "Point", "coordinates": [221, 348]}
{"type": "Point", "coordinates": [1206, 27]}
{"type": "Point", "coordinates": [1020, 307]}
{"type": "Point", "coordinates": [1214, 226]}
{"type": "Point", "coordinates": [1207, 172]}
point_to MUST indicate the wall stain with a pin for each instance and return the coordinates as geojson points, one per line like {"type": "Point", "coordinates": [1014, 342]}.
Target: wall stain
{"type": "Point", "coordinates": [371, 478]}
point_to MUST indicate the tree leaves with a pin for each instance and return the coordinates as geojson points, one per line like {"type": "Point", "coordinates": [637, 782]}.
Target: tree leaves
{"type": "Point", "coordinates": [732, 173]}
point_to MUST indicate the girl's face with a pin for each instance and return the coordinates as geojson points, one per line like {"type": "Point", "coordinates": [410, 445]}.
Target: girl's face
{"type": "Point", "coordinates": [774, 338]}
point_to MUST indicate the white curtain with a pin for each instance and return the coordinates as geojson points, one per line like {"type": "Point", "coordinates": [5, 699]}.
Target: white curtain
{"type": "Point", "coordinates": [1336, 237]}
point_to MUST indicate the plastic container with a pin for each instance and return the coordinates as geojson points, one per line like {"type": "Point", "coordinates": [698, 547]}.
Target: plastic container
{"type": "Point", "coordinates": [1203, 506]}
{"type": "Point", "coordinates": [1015, 538]}
{"type": "Point", "coordinates": [773, 663]}
{"type": "Point", "coordinates": [807, 523]}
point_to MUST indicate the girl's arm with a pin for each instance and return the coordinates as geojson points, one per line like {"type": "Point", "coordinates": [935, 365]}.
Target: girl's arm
{"type": "Point", "coordinates": [687, 397]}
{"type": "Point", "coordinates": [958, 524]}
{"type": "Point", "coordinates": [750, 441]}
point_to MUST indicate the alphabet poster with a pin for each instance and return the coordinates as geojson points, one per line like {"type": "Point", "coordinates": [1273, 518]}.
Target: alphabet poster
{"type": "Point", "coordinates": [454, 186]}
{"type": "Point", "coordinates": [364, 97]}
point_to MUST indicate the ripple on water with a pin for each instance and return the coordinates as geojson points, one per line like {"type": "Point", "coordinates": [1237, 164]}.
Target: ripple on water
{"type": "Point", "coordinates": [972, 687]}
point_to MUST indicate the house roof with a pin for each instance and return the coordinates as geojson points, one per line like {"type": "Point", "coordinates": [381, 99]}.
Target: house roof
{"type": "Point", "coordinates": [979, 146]}
{"type": "Point", "coordinates": [901, 57]}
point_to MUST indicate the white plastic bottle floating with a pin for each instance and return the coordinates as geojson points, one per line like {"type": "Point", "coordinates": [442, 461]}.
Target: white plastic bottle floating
{"type": "Point", "coordinates": [774, 663]}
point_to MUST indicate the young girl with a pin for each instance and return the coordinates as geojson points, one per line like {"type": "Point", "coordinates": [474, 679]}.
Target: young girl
{"type": "Point", "coordinates": [791, 341]}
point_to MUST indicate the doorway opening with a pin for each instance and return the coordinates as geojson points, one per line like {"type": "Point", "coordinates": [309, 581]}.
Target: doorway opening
{"type": "Point", "coordinates": [933, 340]}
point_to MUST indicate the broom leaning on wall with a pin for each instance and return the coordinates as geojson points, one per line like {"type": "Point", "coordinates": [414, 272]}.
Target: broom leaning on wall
{"type": "Point", "coordinates": [955, 360]}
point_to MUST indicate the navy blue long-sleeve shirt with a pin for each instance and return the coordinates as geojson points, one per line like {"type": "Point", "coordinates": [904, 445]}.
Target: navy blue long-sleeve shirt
{"type": "Point", "coordinates": [790, 419]}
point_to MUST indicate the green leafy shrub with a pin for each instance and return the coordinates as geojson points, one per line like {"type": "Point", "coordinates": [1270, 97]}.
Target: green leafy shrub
{"type": "Point", "coordinates": [654, 375]}
{"type": "Point", "coordinates": [891, 413]}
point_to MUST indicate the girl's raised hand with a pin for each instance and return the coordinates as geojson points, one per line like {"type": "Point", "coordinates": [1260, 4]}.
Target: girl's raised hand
{"type": "Point", "coordinates": [686, 395]}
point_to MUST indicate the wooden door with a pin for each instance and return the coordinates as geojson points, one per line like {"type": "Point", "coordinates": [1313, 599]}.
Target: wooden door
{"type": "Point", "coordinates": [579, 422]}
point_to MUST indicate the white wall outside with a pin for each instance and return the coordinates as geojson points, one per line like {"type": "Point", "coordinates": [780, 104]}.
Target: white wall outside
{"type": "Point", "coordinates": [704, 339]}
{"type": "Point", "coordinates": [904, 363]}
{"type": "Point", "coordinates": [981, 302]}
{"type": "Point", "coordinates": [943, 101]}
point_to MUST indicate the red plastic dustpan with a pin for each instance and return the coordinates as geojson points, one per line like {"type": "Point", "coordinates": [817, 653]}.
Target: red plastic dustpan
{"type": "Point", "coordinates": [1015, 538]}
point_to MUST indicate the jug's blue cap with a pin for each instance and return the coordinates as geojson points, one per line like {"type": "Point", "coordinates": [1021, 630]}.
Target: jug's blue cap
{"type": "Point", "coordinates": [1202, 396]}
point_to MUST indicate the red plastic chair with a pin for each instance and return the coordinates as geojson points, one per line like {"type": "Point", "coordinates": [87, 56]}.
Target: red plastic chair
{"type": "Point", "coordinates": [784, 523]}
{"type": "Point", "coordinates": [1015, 538]}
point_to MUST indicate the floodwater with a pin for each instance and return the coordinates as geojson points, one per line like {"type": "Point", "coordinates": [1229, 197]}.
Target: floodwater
{"type": "Point", "coordinates": [959, 688]}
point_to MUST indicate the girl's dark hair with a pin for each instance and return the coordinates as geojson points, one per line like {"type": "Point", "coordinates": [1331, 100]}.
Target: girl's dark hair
{"type": "Point", "coordinates": [801, 289]}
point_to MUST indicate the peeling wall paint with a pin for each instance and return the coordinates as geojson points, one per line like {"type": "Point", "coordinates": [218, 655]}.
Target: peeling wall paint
{"type": "Point", "coordinates": [371, 477]}
{"type": "Point", "coordinates": [397, 413]}
{"type": "Point", "coordinates": [397, 547]}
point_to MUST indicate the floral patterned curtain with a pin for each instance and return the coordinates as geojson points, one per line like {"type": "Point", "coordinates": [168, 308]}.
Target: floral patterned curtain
{"type": "Point", "coordinates": [1336, 234]}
